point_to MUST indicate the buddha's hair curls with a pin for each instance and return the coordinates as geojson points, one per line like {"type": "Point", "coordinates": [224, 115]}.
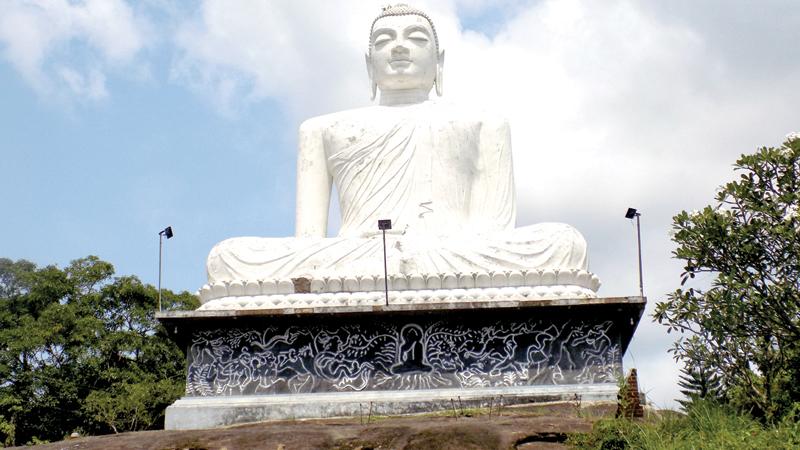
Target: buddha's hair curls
{"type": "Point", "coordinates": [402, 9]}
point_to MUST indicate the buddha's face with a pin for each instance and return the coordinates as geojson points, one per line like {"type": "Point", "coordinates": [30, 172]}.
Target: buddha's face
{"type": "Point", "coordinates": [403, 53]}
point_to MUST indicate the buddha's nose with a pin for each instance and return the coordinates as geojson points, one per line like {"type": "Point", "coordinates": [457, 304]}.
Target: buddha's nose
{"type": "Point", "coordinates": [400, 52]}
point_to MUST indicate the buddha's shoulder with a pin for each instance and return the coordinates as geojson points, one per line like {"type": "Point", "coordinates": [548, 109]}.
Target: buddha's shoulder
{"type": "Point", "coordinates": [433, 110]}
{"type": "Point", "coordinates": [326, 121]}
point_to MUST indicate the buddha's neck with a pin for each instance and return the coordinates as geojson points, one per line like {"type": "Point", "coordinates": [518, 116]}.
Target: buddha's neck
{"type": "Point", "coordinates": [403, 96]}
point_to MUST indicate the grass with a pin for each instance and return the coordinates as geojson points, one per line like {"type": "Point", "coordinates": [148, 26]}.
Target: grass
{"type": "Point", "coordinates": [706, 426]}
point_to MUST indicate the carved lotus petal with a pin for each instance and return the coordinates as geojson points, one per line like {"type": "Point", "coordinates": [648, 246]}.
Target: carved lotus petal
{"type": "Point", "coordinates": [433, 282]}
{"type": "Point", "coordinates": [450, 281]}
{"type": "Point", "coordinates": [508, 293]}
{"type": "Point", "coordinates": [466, 281]}
{"type": "Point", "coordinates": [350, 284]}
{"type": "Point", "coordinates": [334, 284]}
{"type": "Point", "coordinates": [252, 288]}
{"type": "Point", "coordinates": [549, 277]}
{"type": "Point", "coordinates": [416, 282]}
{"type": "Point", "coordinates": [269, 287]}
{"type": "Point", "coordinates": [595, 285]}
{"type": "Point", "coordinates": [567, 276]}
{"type": "Point", "coordinates": [515, 278]}
{"type": "Point", "coordinates": [540, 291]}
{"type": "Point", "coordinates": [483, 280]}
{"type": "Point", "coordinates": [317, 286]}
{"type": "Point", "coordinates": [367, 283]}
{"type": "Point", "coordinates": [235, 288]}
{"type": "Point", "coordinates": [219, 290]}
{"type": "Point", "coordinates": [499, 279]}
{"type": "Point", "coordinates": [533, 277]}
{"type": "Point", "coordinates": [205, 293]}
{"type": "Point", "coordinates": [398, 283]}
{"type": "Point", "coordinates": [584, 279]}
{"type": "Point", "coordinates": [285, 286]}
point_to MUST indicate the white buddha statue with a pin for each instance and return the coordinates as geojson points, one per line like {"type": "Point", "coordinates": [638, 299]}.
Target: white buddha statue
{"type": "Point", "coordinates": [442, 174]}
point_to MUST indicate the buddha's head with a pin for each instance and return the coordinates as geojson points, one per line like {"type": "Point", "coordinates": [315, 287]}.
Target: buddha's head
{"type": "Point", "coordinates": [404, 51]}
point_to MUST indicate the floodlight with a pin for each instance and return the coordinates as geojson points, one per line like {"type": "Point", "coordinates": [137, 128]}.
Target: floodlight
{"type": "Point", "coordinates": [383, 225]}
{"type": "Point", "coordinates": [631, 214]}
{"type": "Point", "coordinates": [166, 232]}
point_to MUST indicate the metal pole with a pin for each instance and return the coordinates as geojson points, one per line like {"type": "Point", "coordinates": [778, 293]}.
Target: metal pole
{"type": "Point", "coordinates": [639, 240]}
{"type": "Point", "coordinates": [385, 270]}
{"type": "Point", "coordinates": [160, 245]}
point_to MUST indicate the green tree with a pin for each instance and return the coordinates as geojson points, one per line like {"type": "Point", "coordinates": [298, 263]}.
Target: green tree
{"type": "Point", "coordinates": [698, 382]}
{"type": "Point", "coordinates": [745, 322]}
{"type": "Point", "coordinates": [69, 337]}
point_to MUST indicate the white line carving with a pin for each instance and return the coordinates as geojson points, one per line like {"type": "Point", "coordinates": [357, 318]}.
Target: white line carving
{"type": "Point", "coordinates": [401, 356]}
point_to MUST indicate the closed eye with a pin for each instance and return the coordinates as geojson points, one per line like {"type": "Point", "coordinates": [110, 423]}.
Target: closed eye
{"type": "Point", "coordinates": [382, 37]}
{"type": "Point", "coordinates": [418, 37]}
{"type": "Point", "coordinates": [382, 40]}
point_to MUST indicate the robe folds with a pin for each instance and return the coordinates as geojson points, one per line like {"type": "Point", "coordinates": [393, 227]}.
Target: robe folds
{"type": "Point", "coordinates": [443, 175]}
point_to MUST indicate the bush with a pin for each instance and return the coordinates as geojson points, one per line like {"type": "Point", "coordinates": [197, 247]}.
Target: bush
{"type": "Point", "coordinates": [707, 425]}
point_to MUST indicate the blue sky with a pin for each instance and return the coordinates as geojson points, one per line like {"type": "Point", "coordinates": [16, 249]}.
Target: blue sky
{"type": "Point", "coordinates": [118, 118]}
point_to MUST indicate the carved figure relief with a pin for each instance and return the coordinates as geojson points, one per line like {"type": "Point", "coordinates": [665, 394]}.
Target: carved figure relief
{"type": "Point", "coordinates": [400, 356]}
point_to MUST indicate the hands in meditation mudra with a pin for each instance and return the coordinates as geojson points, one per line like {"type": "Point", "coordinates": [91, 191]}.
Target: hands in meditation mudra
{"type": "Point", "coordinates": [442, 174]}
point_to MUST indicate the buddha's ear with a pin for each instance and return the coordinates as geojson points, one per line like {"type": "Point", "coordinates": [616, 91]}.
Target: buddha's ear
{"type": "Point", "coordinates": [439, 80]}
{"type": "Point", "coordinates": [374, 85]}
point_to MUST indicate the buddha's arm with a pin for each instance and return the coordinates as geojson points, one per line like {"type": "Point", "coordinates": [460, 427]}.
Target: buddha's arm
{"type": "Point", "coordinates": [493, 203]}
{"type": "Point", "coordinates": [313, 182]}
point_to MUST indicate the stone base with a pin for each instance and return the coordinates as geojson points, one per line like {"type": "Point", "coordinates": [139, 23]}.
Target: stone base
{"type": "Point", "coordinates": [250, 365]}
{"type": "Point", "coordinates": [191, 413]}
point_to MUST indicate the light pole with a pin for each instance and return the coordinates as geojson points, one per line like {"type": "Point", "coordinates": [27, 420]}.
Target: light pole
{"type": "Point", "coordinates": [383, 225]}
{"type": "Point", "coordinates": [630, 214]}
{"type": "Point", "coordinates": [166, 232]}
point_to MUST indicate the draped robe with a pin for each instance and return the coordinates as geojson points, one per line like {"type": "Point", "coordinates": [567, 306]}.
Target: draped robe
{"type": "Point", "coordinates": [444, 177]}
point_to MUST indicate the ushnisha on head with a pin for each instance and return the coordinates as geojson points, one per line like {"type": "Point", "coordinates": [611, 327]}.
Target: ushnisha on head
{"type": "Point", "coordinates": [404, 57]}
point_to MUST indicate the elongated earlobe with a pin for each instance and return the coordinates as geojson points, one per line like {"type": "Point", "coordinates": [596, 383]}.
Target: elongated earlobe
{"type": "Point", "coordinates": [373, 84]}
{"type": "Point", "coordinates": [439, 80]}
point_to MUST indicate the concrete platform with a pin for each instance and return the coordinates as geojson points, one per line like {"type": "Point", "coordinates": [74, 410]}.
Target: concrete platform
{"type": "Point", "coordinates": [190, 413]}
{"type": "Point", "coordinates": [249, 365]}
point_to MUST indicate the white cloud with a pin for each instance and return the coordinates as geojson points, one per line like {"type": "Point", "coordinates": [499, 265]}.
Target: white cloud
{"type": "Point", "coordinates": [42, 39]}
{"type": "Point", "coordinates": [92, 86]}
{"type": "Point", "coordinates": [301, 53]}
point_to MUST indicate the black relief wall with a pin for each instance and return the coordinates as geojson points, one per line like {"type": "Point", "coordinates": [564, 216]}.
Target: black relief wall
{"type": "Point", "coordinates": [420, 352]}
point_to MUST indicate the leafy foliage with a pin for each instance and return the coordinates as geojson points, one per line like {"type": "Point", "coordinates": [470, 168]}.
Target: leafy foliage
{"type": "Point", "coordinates": [746, 324]}
{"type": "Point", "coordinates": [698, 382]}
{"type": "Point", "coordinates": [707, 425]}
{"type": "Point", "coordinates": [81, 350]}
